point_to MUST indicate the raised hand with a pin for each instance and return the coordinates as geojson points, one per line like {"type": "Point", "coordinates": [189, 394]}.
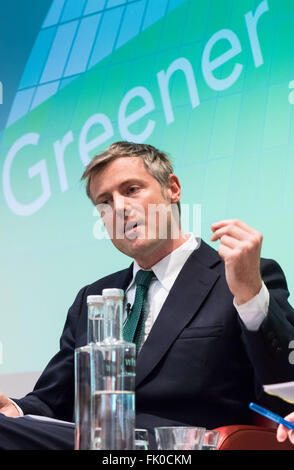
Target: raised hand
{"type": "Point", "coordinates": [240, 247]}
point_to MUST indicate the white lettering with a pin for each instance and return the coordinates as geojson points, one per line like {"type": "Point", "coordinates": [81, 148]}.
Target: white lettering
{"type": "Point", "coordinates": [114, 460]}
{"type": "Point", "coordinates": [158, 221]}
{"type": "Point", "coordinates": [163, 82]}
{"type": "Point", "coordinates": [125, 121]}
{"type": "Point", "coordinates": [39, 168]}
{"type": "Point", "coordinates": [208, 66]}
{"type": "Point", "coordinates": [59, 148]}
{"type": "Point", "coordinates": [84, 146]}
{"type": "Point", "coordinates": [103, 229]}
{"type": "Point", "coordinates": [251, 22]}
{"type": "Point", "coordinates": [87, 143]}
{"type": "Point", "coordinates": [186, 460]}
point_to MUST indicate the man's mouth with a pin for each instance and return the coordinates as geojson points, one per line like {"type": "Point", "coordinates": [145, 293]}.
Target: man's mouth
{"type": "Point", "coordinates": [131, 228]}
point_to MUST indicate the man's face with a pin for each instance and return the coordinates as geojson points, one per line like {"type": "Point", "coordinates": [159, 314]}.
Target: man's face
{"type": "Point", "coordinates": [126, 196]}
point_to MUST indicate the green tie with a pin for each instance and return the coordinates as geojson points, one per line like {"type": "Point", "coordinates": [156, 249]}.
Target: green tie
{"type": "Point", "coordinates": [134, 327]}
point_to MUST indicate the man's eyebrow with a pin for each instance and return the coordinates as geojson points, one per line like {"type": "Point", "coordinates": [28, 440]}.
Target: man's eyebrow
{"type": "Point", "coordinates": [101, 196]}
{"type": "Point", "coordinates": [121, 185]}
{"type": "Point", "coordinates": [130, 181]}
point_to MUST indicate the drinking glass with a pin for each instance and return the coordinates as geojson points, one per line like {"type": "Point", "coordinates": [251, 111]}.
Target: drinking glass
{"type": "Point", "coordinates": [141, 439]}
{"type": "Point", "coordinates": [179, 438]}
{"type": "Point", "coordinates": [82, 399]}
{"type": "Point", "coordinates": [210, 440]}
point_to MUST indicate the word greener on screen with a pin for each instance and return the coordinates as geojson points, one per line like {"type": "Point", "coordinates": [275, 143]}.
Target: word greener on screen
{"type": "Point", "coordinates": [125, 120]}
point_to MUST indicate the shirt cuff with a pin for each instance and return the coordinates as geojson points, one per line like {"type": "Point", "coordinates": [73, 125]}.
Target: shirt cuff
{"type": "Point", "coordinates": [253, 312]}
{"type": "Point", "coordinates": [21, 413]}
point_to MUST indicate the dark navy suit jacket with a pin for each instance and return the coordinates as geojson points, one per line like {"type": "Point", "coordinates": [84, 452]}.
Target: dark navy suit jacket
{"type": "Point", "coordinates": [199, 365]}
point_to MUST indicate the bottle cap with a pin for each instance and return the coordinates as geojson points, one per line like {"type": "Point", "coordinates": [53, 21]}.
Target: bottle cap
{"type": "Point", "coordinates": [95, 299]}
{"type": "Point", "coordinates": [113, 293]}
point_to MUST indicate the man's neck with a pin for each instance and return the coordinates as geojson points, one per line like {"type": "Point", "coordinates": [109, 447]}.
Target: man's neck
{"type": "Point", "coordinates": [146, 262]}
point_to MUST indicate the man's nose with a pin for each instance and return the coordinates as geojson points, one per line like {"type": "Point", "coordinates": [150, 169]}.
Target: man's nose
{"type": "Point", "coordinates": [120, 204]}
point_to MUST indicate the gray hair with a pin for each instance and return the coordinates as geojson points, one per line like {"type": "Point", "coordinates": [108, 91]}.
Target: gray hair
{"type": "Point", "coordinates": [157, 163]}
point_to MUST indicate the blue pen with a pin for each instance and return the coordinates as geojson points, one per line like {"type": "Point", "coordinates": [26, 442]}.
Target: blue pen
{"type": "Point", "coordinates": [270, 415]}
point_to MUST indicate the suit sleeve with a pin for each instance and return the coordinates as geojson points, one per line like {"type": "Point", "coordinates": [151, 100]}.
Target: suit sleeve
{"type": "Point", "coordinates": [268, 347]}
{"type": "Point", "coordinates": [53, 394]}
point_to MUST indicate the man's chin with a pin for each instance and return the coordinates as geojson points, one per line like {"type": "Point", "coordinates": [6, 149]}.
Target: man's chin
{"type": "Point", "coordinates": [132, 246]}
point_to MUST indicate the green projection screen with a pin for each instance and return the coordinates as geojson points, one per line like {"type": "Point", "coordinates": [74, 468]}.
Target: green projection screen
{"type": "Point", "coordinates": [208, 81]}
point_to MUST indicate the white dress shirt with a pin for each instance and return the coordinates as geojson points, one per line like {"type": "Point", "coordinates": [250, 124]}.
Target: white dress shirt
{"type": "Point", "coordinates": [252, 313]}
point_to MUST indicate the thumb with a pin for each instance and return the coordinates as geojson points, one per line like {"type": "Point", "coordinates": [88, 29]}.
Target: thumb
{"type": "Point", "coordinates": [281, 433]}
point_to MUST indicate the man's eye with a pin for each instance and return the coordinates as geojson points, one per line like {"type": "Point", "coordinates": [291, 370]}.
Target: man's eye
{"type": "Point", "coordinates": [133, 189]}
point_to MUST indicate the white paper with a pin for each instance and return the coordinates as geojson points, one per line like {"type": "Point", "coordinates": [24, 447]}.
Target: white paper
{"type": "Point", "coordinates": [283, 390]}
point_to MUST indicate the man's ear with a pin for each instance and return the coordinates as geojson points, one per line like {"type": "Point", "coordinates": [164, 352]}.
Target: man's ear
{"type": "Point", "coordinates": [173, 188]}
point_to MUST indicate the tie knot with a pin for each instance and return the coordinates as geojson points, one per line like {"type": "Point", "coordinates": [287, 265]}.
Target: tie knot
{"type": "Point", "coordinates": [143, 278]}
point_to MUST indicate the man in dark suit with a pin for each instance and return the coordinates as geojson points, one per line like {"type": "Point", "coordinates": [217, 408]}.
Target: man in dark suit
{"type": "Point", "coordinates": [217, 324]}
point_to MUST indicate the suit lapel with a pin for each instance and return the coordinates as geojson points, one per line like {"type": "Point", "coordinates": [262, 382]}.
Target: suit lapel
{"type": "Point", "coordinates": [192, 286]}
{"type": "Point", "coordinates": [127, 277]}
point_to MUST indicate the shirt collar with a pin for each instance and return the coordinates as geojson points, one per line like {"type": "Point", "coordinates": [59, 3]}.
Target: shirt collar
{"type": "Point", "coordinates": [169, 267]}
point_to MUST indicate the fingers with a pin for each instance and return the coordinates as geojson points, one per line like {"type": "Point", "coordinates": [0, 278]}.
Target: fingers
{"type": "Point", "coordinates": [230, 229]}
{"type": "Point", "coordinates": [229, 241]}
{"type": "Point", "coordinates": [290, 417]}
{"type": "Point", "coordinates": [3, 400]}
{"type": "Point", "coordinates": [7, 407]}
{"type": "Point", "coordinates": [236, 234]}
{"type": "Point", "coordinates": [239, 247]}
{"type": "Point", "coordinates": [224, 251]}
{"type": "Point", "coordinates": [283, 432]}
{"type": "Point", "coordinates": [235, 228]}
{"type": "Point", "coordinates": [232, 222]}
